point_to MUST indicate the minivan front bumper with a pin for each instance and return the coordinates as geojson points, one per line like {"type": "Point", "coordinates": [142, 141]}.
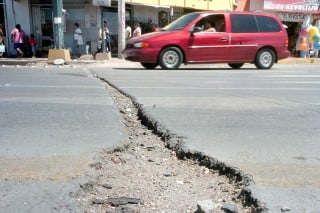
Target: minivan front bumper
{"type": "Point", "coordinates": [145, 55]}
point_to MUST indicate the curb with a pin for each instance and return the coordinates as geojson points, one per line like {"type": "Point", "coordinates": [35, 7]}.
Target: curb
{"type": "Point", "coordinates": [113, 61]}
{"type": "Point", "coordinates": [32, 61]}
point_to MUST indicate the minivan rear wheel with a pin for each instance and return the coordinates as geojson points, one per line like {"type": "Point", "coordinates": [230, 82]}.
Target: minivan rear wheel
{"type": "Point", "coordinates": [265, 59]}
{"type": "Point", "coordinates": [236, 65]}
{"type": "Point", "coordinates": [170, 58]}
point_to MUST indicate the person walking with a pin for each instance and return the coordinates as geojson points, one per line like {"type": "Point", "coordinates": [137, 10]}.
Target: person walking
{"type": "Point", "coordinates": [2, 48]}
{"type": "Point", "coordinates": [18, 38]}
{"type": "Point", "coordinates": [155, 28]}
{"type": "Point", "coordinates": [33, 44]}
{"type": "Point", "coordinates": [128, 31]}
{"type": "Point", "coordinates": [105, 34]}
{"type": "Point", "coordinates": [137, 30]}
{"type": "Point", "coordinates": [77, 41]}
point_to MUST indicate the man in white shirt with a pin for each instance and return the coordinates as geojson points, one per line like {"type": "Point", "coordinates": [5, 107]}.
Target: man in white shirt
{"type": "Point", "coordinates": [105, 36]}
{"type": "Point", "coordinates": [128, 31]}
{"type": "Point", "coordinates": [77, 41]}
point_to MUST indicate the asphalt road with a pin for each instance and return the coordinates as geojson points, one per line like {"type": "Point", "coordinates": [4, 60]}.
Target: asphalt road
{"type": "Point", "coordinates": [264, 122]}
{"type": "Point", "coordinates": [53, 123]}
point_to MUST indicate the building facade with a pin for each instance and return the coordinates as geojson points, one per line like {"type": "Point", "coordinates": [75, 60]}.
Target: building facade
{"type": "Point", "coordinates": [291, 12]}
{"type": "Point", "coordinates": [36, 17]}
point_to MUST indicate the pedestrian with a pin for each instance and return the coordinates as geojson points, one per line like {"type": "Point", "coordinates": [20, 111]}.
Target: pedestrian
{"type": "Point", "coordinates": [33, 44]}
{"type": "Point", "coordinates": [18, 38]}
{"type": "Point", "coordinates": [2, 46]}
{"type": "Point", "coordinates": [137, 30]}
{"type": "Point", "coordinates": [105, 34]}
{"type": "Point", "coordinates": [128, 31]}
{"type": "Point", "coordinates": [155, 28]}
{"type": "Point", "coordinates": [77, 41]}
{"type": "Point", "coordinates": [27, 50]}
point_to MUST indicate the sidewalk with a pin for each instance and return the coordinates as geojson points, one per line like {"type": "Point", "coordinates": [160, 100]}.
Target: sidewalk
{"type": "Point", "coordinates": [44, 61]}
{"type": "Point", "coordinates": [113, 61]}
{"type": "Point", "coordinates": [294, 60]}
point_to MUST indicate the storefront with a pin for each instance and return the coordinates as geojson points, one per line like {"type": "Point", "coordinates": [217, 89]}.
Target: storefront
{"type": "Point", "coordinates": [292, 13]}
{"type": "Point", "coordinates": [36, 17]}
{"type": "Point", "coordinates": [4, 25]}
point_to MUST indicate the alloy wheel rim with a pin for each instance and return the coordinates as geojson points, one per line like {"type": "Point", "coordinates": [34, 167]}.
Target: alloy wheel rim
{"type": "Point", "coordinates": [266, 59]}
{"type": "Point", "coordinates": [171, 58]}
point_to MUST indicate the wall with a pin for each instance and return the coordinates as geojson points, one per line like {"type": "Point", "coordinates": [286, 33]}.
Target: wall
{"type": "Point", "coordinates": [175, 3]}
{"type": "Point", "coordinates": [92, 26]}
{"type": "Point", "coordinates": [243, 5]}
{"type": "Point", "coordinates": [221, 5]}
{"type": "Point", "coordinates": [256, 4]}
{"type": "Point", "coordinates": [143, 14]}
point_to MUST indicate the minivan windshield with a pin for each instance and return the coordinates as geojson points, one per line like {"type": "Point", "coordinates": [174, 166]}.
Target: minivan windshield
{"type": "Point", "coordinates": [181, 22]}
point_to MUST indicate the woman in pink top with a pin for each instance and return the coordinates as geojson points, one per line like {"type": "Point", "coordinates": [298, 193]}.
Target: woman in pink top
{"type": "Point", "coordinates": [17, 37]}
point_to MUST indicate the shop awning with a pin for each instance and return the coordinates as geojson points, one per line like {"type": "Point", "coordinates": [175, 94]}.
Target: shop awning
{"type": "Point", "coordinates": [295, 6]}
{"type": "Point", "coordinates": [149, 5]}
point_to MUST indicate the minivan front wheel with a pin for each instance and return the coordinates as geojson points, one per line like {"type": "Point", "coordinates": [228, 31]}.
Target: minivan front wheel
{"type": "Point", "coordinates": [265, 59]}
{"type": "Point", "coordinates": [236, 65]}
{"type": "Point", "coordinates": [170, 58]}
{"type": "Point", "coordinates": [149, 66]}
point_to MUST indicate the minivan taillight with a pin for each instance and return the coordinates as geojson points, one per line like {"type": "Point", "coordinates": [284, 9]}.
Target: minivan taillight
{"type": "Point", "coordinates": [286, 43]}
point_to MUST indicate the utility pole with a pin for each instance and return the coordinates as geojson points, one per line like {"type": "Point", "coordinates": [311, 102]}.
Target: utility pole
{"type": "Point", "coordinates": [121, 26]}
{"type": "Point", "coordinates": [58, 31]}
{"type": "Point", "coordinates": [103, 34]}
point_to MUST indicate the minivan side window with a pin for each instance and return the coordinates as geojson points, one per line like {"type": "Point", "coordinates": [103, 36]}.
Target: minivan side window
{"type": "Point", "coordinates": [268, 24]}
{"type": "Point", "coordinates": [215, 22]}
{"type": "Point", "coordinates": [181, 22]}
{"type": "Point", "coordinates": [242, 23]}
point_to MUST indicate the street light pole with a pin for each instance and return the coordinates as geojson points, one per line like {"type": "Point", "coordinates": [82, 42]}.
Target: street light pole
{"type": "Point", "coordinates": [121, 26]}
{"type": "Point", "coordinates": [58, 31]}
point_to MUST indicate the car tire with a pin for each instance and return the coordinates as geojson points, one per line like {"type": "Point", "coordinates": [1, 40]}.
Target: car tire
{"type": "Point", "coordinates": [170, 58]}
{"type": "Point", "coordinates": [265, 59]}
{"type": "Point", "coordinates": [149, 66]}
{"type": "Point", "coordinates": [236, 65]}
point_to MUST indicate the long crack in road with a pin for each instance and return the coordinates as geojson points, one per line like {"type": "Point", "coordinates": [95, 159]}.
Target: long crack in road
{"type": "Point", "coordinates": [145, 176]}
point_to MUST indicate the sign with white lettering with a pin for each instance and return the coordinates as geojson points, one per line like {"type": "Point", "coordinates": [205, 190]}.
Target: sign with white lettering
{"type": "Point", "coordinates": [297, 6]}
{"type": "Point", "coordinates": [292, 17]}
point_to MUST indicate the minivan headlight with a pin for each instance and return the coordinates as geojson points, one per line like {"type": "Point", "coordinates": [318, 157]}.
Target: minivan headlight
{"type": "Point", "coordinates": [141, 45]}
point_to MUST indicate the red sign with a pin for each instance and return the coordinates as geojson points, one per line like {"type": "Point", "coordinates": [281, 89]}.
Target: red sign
{"type": "Point", "coordinates": [297, 6]}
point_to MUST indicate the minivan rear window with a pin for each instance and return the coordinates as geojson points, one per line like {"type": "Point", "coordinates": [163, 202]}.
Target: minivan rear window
{"type": "Point", "coordinates": [268, 24]}
{"type": "Point", "coordinates": [242, 23]}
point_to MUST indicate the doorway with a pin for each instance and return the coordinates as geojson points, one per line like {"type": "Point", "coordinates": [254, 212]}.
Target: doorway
{"type": "Point", "coordinates": [43, 27]}
{"type": "Point", "coordinates": [111, 16]}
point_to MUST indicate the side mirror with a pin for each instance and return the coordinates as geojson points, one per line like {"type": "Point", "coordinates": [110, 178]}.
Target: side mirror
{"type": "Point", "coordinates": [196, 29]}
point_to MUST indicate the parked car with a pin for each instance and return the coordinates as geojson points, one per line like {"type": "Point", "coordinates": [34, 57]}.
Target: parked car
{"type": "Point", "coordinates": [238, 38]}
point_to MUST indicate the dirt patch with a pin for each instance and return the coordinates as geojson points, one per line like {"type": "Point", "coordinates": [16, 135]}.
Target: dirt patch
{"type": "Point", "coordinates": [146, 176]}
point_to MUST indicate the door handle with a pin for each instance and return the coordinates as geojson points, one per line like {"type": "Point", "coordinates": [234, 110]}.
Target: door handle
{"type": "Point", "coordinates": [224, 39]}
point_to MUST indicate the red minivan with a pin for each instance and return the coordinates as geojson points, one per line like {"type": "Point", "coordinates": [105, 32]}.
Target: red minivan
{"type": "Point", "coordinates": [234, 38]}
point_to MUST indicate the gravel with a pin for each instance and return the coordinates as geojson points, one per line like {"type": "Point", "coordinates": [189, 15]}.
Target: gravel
{"type": "Point", "coordinates": [145, 175]}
